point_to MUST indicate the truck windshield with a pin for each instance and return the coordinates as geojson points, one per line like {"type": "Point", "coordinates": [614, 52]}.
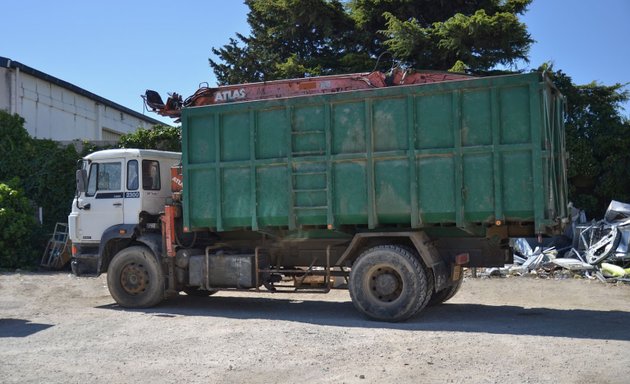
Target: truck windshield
{"type": "Point", "coordinates": [104, 177]}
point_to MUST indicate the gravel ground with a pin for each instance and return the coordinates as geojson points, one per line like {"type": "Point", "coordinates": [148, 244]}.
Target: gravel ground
{"type": "Point", "coordinates": [57, 328]}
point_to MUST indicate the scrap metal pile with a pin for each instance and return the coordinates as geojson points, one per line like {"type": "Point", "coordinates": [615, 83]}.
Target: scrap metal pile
{"type": "Point", "coordinates": [598, 249]}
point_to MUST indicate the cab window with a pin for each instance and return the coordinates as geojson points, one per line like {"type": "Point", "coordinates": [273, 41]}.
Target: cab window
{"type": "Point", "coordinates": [132, 175]}
{"type": "Point", "coordinates": [150, 175]}
{"type": "Point", "coordinates": [104, 177]}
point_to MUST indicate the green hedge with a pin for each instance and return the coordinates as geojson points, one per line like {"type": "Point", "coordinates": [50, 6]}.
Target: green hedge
{"type": "Point", "coordinates": [19, 228]}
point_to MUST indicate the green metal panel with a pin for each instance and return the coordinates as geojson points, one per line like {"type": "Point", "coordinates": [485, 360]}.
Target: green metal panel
{"type": "Point", "coordinates": [272, 209]}
{"type": "Point", "coordinates": [350, 201]}
{"type": "Point", "coordinates": [453, 153]}
{"type": "Point", "coordinates": [270, 138]}
{"type": "Point", "coordinates": [436, 174]}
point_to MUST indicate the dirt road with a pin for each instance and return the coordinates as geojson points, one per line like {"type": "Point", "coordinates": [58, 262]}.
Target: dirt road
{"type": "Point", "coordinates": [56, 328]}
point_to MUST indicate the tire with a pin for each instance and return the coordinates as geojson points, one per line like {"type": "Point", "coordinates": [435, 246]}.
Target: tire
{"type": "Point", "coordinates": [193, 291]}
{"type": "Point", "coordinates": [447, 293]}
{"type": "Point", "coordinates": [135, 278]}
{"type": "Point", "coordinates": [389, 283]}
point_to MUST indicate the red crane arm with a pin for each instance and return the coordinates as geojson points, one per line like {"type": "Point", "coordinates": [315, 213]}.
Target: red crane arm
{"type": "Point", "coordinates": [294, 87]}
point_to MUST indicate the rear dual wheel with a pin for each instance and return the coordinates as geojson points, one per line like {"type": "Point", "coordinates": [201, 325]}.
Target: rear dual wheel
{"type": "Point", "coordinates": [389, 283]}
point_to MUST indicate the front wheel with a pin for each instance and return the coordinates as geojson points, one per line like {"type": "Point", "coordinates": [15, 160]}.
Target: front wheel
{"type": "Point", "coordinates": [389, 283]}
{"type": "Point", "coordinates": [135, 278]}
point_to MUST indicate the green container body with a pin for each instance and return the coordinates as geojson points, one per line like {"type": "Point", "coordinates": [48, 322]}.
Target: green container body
{"type": "Point", "coordinates": [453, 153]}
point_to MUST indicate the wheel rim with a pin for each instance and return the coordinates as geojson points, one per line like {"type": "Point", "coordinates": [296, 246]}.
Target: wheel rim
{"type": "Point", "coordinates": [134, 278]}
{"type": "Point", "coordinates": [385, 284]}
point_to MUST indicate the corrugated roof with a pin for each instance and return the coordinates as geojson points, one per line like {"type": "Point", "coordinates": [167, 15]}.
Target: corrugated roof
{"type": "Point", "coordinates": [8, 63]}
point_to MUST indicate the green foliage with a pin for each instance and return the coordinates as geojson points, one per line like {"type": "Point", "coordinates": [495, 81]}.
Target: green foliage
{"type": "Point", "coordinates": [159, 137]}
{"type": "Point", "coordinates": [297, 38]}
{"type": "Point", "coordinates": [459, 66]}
{"type": "Point", "coordinates": [289, 38]}
{"type": "Point", "coordinates": [16, 146]}
{"type": "Point", "coordinates": [51, 184]}
{"type": "Point", "coordinates": [39, 173]}
{"type": "Point", "coordinates": [18, 227]}
{"type": "Point", "coordinates": [481, 40]}
{"type": "Point", "coordinates": [45, 170]}
{"type": "Point", "coordinates": [88, 147]}
{"type": "Point", "coordinates": [598, 142]}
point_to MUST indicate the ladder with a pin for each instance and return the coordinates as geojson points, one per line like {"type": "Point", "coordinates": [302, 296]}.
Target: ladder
{"type": "Point", "coordinates": [57, 252]}
{"type": "Point", "coordinates": [309, 176]}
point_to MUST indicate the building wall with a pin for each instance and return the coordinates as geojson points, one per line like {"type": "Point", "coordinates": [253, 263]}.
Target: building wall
{"type": "Point", "coordinates": [55, 112]}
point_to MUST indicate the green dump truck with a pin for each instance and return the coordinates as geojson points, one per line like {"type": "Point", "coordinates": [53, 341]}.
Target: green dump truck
{"type": "Point", "coordinates": [389, 192]}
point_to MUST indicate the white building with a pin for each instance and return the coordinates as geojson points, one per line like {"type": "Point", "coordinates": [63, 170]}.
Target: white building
{"type": "Point", "coordinates": [55, 109]}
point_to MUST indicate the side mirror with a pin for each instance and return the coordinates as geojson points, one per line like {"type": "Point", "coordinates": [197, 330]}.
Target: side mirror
{"type": "Point", "coordinates": [81, 180]}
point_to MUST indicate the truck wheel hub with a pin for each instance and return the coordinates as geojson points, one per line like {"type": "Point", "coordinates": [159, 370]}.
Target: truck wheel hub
{"type": "Point", "coordinates": [134, 278]}
{"type": "Point", "coordinates": [385, 284]}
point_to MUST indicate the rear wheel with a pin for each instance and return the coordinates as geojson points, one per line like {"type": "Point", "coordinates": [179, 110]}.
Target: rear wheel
{"type": "Point", "coordinates": [388, 283]}
{"type": "Point", "coordinates": [135, 278]}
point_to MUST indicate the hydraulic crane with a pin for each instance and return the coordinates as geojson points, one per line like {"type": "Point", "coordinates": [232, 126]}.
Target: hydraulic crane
{"type": "Point", "coordinates": [294, 87]}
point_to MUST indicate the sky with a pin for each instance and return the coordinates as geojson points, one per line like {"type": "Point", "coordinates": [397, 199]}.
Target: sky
{"type": "Point", "coordinates": [117, 49]}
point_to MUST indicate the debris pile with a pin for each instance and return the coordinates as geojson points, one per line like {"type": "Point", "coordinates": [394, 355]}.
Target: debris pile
{"type": "Point", "coordinates": [598, 249]}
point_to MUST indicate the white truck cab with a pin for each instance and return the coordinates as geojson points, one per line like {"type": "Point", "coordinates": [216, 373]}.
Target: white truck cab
{"type": "Point", "coordinates": [118, 190]}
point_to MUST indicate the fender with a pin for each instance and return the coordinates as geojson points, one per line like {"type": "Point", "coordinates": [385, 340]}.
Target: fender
{"type": "Point", "coordinates": [154, 242]}
{"type": "Point", "coordinates": [429, 255]}
{"type": "Point", "coordinates": [118, 231]}
{"type": "Point", "coordinates": [132, 233]}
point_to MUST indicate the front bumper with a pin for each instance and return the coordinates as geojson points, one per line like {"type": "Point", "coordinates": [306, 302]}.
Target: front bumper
{"type": "Point", "coordinates": [86, 261]}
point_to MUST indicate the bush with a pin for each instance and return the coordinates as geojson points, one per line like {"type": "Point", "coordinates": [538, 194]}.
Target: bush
{"type": "Point", "coordinates": [19, 227]}
{"type": "Point", "coordinates": [160, 137]}
{"type": "Point", "coordinates": [51, 183]}
{"type": "Point", "coordinates": [16, 146]}
{"type": "Point", "coordinates": [41, 173]}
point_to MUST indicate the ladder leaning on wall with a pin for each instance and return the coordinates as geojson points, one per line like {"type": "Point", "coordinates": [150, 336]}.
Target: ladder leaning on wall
{"type": "Point", "coordinates": [57, 252]}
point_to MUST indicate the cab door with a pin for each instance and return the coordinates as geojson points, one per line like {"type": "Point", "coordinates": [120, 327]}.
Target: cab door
{"type": "Point", "coordinates": [103, 201]}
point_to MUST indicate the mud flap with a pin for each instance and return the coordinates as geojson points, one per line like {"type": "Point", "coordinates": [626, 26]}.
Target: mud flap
{"type": "Point", "coordinates": [440, 276]}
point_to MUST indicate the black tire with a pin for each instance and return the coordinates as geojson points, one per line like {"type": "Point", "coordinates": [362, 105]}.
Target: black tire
{"type": "Point", "coordinates": [447, 293]}
{"type": "Point", "coordinates": [388, 283]}
{"type": "Point", "coordinates": [194, 291]}
{"type": "Point", "coordinates": [135, 278]}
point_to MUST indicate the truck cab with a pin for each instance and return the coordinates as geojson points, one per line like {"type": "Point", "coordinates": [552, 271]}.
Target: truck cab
{"type": "Point", "coordinates": [120, 194]}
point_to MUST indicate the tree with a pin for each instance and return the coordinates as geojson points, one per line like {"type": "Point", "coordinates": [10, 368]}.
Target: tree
{"type": "Point", "coordinates": [598, 138]}
{"type": "Point", "coordinates": [297, 38]}
{"type": "Point", "coordinates": [480, 41]}
{"type": "Point", "coordinates": [436, 35]}
{"type": "Point", "coordinates": [289, 38]}
{"type": "Point", "coordinates": [161, 137]}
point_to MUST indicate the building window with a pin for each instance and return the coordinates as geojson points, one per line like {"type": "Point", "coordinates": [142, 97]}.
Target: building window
{"type": "Point", "coordinates": [110, 135]}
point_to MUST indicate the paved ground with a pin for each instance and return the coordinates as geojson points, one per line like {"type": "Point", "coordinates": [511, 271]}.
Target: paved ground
{"type": "Point", "coordinates": [56, 328]}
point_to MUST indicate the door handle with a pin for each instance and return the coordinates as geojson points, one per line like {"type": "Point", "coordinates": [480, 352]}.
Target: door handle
{"type": "Point", "coordinates": [117, 204]}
